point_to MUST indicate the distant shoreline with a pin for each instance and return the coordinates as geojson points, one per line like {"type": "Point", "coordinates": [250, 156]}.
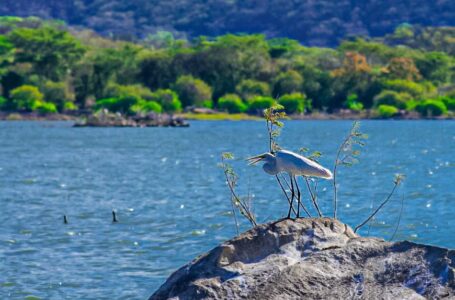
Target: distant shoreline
{"type": "Point", "coordinates": [344, 115]}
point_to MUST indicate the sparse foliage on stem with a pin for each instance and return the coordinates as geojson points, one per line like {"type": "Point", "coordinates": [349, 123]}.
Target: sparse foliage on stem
{"type": "Point", "coordinates": [347, 156]}
{"type": "Point", "coordinates": [272, 116]}
{"type": "Point", "coordinates": [243, 205]}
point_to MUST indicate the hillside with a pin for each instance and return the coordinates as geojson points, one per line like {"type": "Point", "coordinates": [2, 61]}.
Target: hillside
{"type": "Point", "coordinates": [313, 22]}
{"type": "Point", "coordinates": [47, 67]}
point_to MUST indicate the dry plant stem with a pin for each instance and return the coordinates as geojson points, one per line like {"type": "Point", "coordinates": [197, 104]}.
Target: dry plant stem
{"type": "Point", "coordinates": [335, 200]}
{"type": "Point", "coordinates": [369, 225]}
{"type": "Point", "coordinates": [235, 217]}
{"type": "Point", "coordinates": [313, 197]}
{"type": "Point", "coordinates": [377, 209]}
{"type": "Point", "coordinates": [246, 210]}
{"type": "Point", "coordinates": [270, 130]}
{"type": "Point", "coordinates": [399, 219]}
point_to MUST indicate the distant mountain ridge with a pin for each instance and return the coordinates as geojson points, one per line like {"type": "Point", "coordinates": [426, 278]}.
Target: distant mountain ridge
{"type": "Point", "coordinates": [313, 22]}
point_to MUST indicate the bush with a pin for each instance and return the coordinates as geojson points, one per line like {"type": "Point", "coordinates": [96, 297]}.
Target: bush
{"type": "Point", "coordinates": [26, 97]}
{"type": "Point", "coordinates": [207, 104]}
{"type": "Point", "coordinates": [352, 103]}
{"type": "Point", "coordinates": [168, 100]}
{"type": "Point", "coordinates": [117, 91]}
{"type": "Point", "coordinates": [231, 103]}
{"type": "Point", "coordinates": [392, 98]}
{"type": "Point", "coordinates": [259, 103]}
{"type": "Point", "coordinates": [411, 105]}
{"type": "Point", "coordinates": [448, 101]}
{"type": "Point", "coordinates": [3, 103]}
{"type": "Point", "coordinates": [293, 103]}
{"type": "Point", "coordinates": [121, 104]}
{"type": "Point", "coordinates": [417, 91]}
{"type": "Point", "coordinates": [147, 106]}
{"type": "Point", "coordinates": [192, 91]}
{"type": "Point", "coordinates": [68, 106]}
{"type": "Point", "coordinates": [57, 93]}
{"type": "Point", "coordinates": [431, 108]}
{"type": "Point", "coordinates": [47, 108]}
{"type": "Point", "coordinates": [387, 111]}
{"type": "Point", "coordinates": [249, 88]}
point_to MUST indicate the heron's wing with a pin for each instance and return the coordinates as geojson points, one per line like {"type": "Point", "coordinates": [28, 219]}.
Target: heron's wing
{"type": "Point", "coordinates": [299, 165]}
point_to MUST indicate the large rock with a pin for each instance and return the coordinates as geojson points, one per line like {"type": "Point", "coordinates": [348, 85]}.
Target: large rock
{"type": "Point", "coordinates": [314, 259]}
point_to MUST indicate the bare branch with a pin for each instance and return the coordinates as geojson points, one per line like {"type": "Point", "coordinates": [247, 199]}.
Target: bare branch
{"type": "Point", "coordinates": [396, 183]}
{"type": "Point", "coordinates": [399, 219]}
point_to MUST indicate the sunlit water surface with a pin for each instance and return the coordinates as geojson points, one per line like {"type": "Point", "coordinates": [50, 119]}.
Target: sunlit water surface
{"type": "Point", "coordinates": [172, 203]}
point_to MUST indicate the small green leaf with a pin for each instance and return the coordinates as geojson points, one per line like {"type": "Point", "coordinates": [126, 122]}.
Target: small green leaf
{"type": "Point", "coordinates": [227, 155]}
{"type": "Point", "coordinates": [304, 150]}
{"type": "Point", "coordinates": [356, 152]}
{"type": "Point", "coordinates": [316, 154]}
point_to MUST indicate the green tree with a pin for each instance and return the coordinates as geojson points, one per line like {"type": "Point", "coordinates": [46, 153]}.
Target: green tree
{"type": "Point", "coordinates": [57, 93]}
{"type": "Point", "coordinates": [435, 66]}
{"type": "Point", "coordinates": [287, 83]}
{"type": "Point", "coordinates": [402, 68]}
{"type": "Point", "coordinates": [6, 53]}
{"type": "Point", "coordinates": [156, 69]}
{"type": "Point", "coordinates": [192, 91]}
{"type": "Point", "coordinates": [249, 88]}
{"type": "Point", "coordinates": [229, 60]}
{"type": "Point", "coordinates": [51, 51]}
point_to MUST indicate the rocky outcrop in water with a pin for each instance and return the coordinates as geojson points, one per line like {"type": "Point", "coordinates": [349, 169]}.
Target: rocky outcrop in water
{"type": "Point", "coordinates": [108, 119]}
{"type": "Point", "coordinates": [314, 259]}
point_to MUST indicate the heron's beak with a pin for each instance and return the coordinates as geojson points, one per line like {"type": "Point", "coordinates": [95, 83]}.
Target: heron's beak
{"type": "Point", "coordinates": [255, 159]}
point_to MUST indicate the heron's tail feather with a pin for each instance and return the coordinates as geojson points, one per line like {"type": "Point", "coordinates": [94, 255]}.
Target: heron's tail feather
{"type": "Point", "coordinates": [326, 174]}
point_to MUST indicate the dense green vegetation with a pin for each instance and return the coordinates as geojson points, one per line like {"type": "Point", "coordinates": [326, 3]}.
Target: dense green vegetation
{"type": "Point", "coordinates": [45, 67]}
{"type": "Point", "coordinates": [315, 23]}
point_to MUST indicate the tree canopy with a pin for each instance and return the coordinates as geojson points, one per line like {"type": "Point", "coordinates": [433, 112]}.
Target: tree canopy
{"type": "Point", "coordinates": [78, 69]}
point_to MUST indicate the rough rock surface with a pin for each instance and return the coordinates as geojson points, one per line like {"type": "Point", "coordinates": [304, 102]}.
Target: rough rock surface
{"type": "Point", "coordinates": [314, 259]}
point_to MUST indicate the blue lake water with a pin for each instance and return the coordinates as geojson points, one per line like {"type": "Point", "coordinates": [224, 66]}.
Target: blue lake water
{"type": "Point", "coordinates": [172, 202]}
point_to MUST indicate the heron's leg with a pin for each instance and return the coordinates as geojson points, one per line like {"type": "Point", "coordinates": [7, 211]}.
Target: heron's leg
{"type": "Point", "coordinates": [284, 191]}
{"type": "Point", "coordinates": [292, 197]}
{"type": "Point", "coordinates": [298, 197]}
{"type": "Point", "coordinates": [301, 204]}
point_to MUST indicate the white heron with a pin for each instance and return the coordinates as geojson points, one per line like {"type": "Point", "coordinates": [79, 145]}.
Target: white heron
{"type": "Point", "coordinates": [294, 165]}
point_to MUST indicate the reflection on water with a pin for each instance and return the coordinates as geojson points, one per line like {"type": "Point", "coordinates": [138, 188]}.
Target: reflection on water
{"type": "Point", "coordinates": [170, 198]}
